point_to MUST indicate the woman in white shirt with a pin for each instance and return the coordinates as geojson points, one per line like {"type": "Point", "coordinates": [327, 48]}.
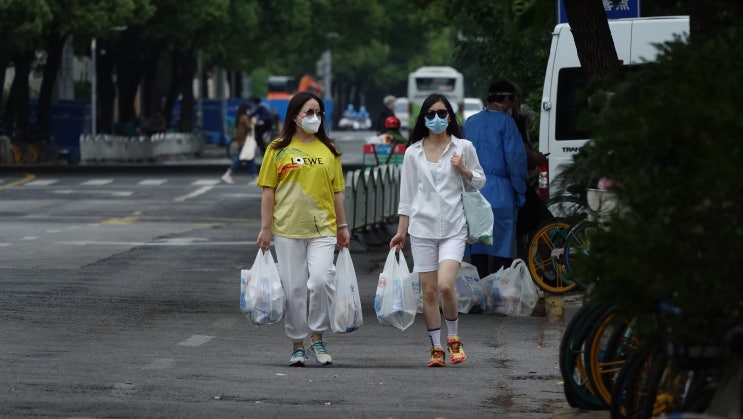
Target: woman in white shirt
{"type": "Point", "coordinates": [435, 165]}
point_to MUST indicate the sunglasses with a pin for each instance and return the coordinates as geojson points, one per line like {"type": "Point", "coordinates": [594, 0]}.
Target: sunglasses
{"type": "Point", "coordinates": [442, 113]}
{"type": "Point", "coordinates": [312, 112]}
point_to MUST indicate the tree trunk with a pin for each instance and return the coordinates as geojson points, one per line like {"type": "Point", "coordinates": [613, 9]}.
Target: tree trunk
{"type": "Point", "coordinates": [129, 75]}
{"type": "Point", "coordinates": [4, 61]}
{"type": "Point", "coordinates": [188, 66]}
{"type": "Point", "coordinates": [16, 109]}
{"type": "Point", "coordinates": [175, 85]}
{"type": "Point", "coordinates": [593, 41]}
{"type": "Point", "coordinates": [55, 47]}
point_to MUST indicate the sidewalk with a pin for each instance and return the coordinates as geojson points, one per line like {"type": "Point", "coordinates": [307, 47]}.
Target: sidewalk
{"type": "Point", "coordinates": [531, 347]}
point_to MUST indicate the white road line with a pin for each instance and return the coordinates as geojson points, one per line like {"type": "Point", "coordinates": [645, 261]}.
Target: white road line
{"type": "Point", "coordinates": [160, 364]}
{"type": "Point", "coordinates": [225, 323]}
{"type": "Point", "coordinates": [42, 182]}
{"type": "Point", "coordinates": [195, 193]}
{"type": "Point", "coordinates": [196, 340]}
{"type": "Point", "coordinates": [89, 191]}
{"type": "Point", "coordinates": [4, 244]}
{"type": "Point", "coordinates": [169, 243]}
{"type": "Point", "coordinates": [30, 238]}
{"type": "Point", "coordinates": [96, 182]}
{"type": "Point", "coordinates": [152, 182]}
{"type": "Point", "coordinates": [208, 182]}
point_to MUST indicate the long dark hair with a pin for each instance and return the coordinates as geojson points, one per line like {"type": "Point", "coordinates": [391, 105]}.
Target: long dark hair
{"type": "Point", "coordinates": [420, 131]}
{"type": "Point", "coordinates": [290, 127]}
{"type": "Point", "coordinates": [241, 111]}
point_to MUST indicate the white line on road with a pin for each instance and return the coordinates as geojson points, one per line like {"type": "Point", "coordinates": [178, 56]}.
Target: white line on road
{"type": "Point", "coordinates": [160, 364]}
{"type": "Point", "coordinates": [112, 193]}
{"type": "Point", "coordinates": [152, 182]}
{"type": "Point", "coordinates": [196, 340]}
{"type": "Point", "coordinates": [207, 182]}
{"type": "Point", "coordinates": [96, 182]}
{"type": "Point", "coordinates": [195, 193]}
{"type": "Point", "coordinates": [42, 182]}
{"type": "Point", "coordinates": [169, 243]}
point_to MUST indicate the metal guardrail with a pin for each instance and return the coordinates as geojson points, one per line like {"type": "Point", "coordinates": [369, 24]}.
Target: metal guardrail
{"type": "Point", "coordinates": [116, 147]}
{"type": "Point", "coordinates": [371, 200]}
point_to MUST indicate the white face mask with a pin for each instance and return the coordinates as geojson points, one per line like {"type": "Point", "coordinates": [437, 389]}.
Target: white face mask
{"type": "Point", "coordinates": [310, 124]}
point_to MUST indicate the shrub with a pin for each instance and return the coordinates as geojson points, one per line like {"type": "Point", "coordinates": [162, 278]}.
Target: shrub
{"type": "Point", "coordinates": [672, 139]}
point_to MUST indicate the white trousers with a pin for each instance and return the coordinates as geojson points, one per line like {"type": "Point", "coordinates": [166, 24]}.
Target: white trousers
{"type": "Point", "coordinates": [307, 271]}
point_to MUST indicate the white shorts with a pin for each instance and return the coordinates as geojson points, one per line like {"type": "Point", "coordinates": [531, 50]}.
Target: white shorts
{"type": "Point", "coordinates": [428, 253]}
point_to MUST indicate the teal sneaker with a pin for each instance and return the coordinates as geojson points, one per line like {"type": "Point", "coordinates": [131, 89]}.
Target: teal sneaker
{"type": "Point", "coordinates": [299, 357]}
{"type": "Point", "coordinates": [321, 354]}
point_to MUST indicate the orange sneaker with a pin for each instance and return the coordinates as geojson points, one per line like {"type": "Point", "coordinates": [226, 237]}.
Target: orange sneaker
{"type": "Point", "coordinates": [437, 357]}
{"type": "Point", "coordinates": [456, 350]}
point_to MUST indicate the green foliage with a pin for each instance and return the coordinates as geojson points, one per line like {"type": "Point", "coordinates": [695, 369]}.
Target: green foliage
{"type": "Point", "coordinates": [22, 23]}
{"type": "Point", "coordinates": [670, 137]}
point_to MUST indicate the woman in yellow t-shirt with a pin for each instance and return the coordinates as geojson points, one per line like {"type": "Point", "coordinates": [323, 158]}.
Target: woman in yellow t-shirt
{"type": "Point", "coordinates": [302, 211]}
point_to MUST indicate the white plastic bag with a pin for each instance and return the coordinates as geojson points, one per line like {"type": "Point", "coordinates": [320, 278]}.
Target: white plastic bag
{"type": "Point", "coordinates": [469, 289]}
{"type": "Point", "coordinates": [479, 217]}
{"type": "Point", "coordinates": [345, 308]}
{"type": "Point", "coordinates": [394, 301]}
{"type": "Point", "coordinates": [511, 291]}
{"type": "Point", "coordinates": [247, 152]}
{"type": "Point", "coordinates": [263, 298]}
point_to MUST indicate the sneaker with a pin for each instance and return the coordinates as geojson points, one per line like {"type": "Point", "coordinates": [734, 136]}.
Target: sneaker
{"type": "Point", "coordinates": [321, 354]}
{"type": "Point", "coordinates": [437, 357]}
{"type": "Point", "coordinates": [456, 350]}
{"type": "Point", "coordinates": [299, 357]}
{"type": "Point", "coordinates": [227, 178]}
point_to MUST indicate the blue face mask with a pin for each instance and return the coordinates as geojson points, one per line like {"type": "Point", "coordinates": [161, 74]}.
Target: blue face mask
{"type": "Point", "coordinates": [437, 125]}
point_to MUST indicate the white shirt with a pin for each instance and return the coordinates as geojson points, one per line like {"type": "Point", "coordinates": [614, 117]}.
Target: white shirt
{"type": "Point", "coordinates": [431, 193]}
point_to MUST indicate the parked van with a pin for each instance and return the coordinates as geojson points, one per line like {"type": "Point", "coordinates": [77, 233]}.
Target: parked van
{"type": "Point", "coordinates": [559, 133]}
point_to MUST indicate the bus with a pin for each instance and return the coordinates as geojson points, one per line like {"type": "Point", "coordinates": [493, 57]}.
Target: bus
{"type": "Point", "coordinates": [444, 80]}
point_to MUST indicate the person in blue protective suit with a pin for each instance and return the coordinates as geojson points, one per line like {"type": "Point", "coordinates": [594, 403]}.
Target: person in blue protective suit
{"type": "Point", "coordinates": [503, 157]}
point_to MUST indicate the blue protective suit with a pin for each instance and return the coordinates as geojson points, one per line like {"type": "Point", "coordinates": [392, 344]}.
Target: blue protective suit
{"type": "Point", "coordinates": [503, 158]}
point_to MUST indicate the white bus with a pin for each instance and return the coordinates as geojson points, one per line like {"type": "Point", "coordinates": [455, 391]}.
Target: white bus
{"type": "Point", "coordinates": [427, 80]}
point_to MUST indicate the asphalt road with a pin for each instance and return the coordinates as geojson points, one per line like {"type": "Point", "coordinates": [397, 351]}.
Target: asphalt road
{"type": "Point", "coordinates": [120, 299]}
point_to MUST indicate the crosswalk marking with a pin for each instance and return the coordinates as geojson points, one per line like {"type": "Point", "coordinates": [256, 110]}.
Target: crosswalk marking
{"type": "Point", "coordinates": [205, 182]}
{"type": "Point", "coordinates": [42, 182]}
{"type": "Point", "coordinates": [196, 340]}
{"type": "Point", "coordinates": [152, 182]}
{"type": "Point", "coordinates": [96, 182]}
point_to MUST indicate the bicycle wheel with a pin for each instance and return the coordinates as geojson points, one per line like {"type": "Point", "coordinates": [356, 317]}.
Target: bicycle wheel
{"type": "Point", "coordinates": [576, 243]}
{"type": "Point", "coordinates": [666, 388]}
{"type": "Point", "coordinates": [545, 257]}
{"type": "Point", "coordinates": [579, 389]}
{"type": "Point", "coordinates": [607, 350]}
{"type": "Point", "coordinates": [629, 384]}
{"type": "Point", "coordinates": [233, 150]}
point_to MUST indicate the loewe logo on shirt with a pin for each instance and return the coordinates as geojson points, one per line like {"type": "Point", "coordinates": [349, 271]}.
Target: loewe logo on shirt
{"type": "Point", "coordinates": [307, 160]}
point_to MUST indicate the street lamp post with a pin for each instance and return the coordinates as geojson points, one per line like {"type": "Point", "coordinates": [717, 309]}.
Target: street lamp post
{"type": "Point", "coordinates": [93, 87]}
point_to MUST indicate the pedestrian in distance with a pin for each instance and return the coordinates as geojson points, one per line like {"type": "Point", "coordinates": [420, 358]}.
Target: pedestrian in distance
{"type": "Point", "coordinates": [243, 129]}
{"type": "Point", "coordinates": [302, 213]}
{"type": "Point", "coordinates": [387, 111]}
{"type": "Point", "coordinates": [262, 119]}
{"type": "Point", "coordinates": [392, 134]}
{"type": "Point", "coordinates": [498, 142]}
{"type": "Point", "coordinates": [436, 164]}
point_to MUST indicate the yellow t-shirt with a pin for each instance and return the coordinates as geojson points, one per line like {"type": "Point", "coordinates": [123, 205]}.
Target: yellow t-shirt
{"type": "Point", "coordinates": [306, 177]}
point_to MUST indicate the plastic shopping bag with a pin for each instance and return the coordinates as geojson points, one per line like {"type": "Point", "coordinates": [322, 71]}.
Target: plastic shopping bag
{"type": "Point", "coordinates": [479, 217]}
{"type": "Point", "coordinates": [262, 297]}
{"type": "Point", "coordinates": [394, 301]}
{"type": "Point", "coordinates": [511, 291]}
{"type": "Point", "coordinates": [469, 289]}
{"type": "Point", "coordinates": [345, 308]}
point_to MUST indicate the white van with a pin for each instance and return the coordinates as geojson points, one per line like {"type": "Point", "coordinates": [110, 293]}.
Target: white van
{"type": "Point", "coordinates": [559, 134]}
